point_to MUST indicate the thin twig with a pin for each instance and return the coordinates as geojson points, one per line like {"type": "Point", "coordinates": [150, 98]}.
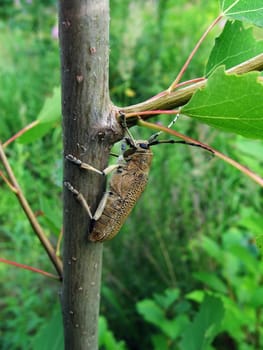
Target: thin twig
{"type": "Point", "coordinates": [30, 215]}
{"type": "Point", "coordinates": [8, 183]}
{"type": "Point", "coordinates": [30, 268]}
{"type": "Point", "coordinates": [227, 159]}
{"type": "Point", "coordinates": [59, 243]}
{"type": "Point", "coordinates": [20, 132]}
{"type": "Point", "coordinates": [189, 59]}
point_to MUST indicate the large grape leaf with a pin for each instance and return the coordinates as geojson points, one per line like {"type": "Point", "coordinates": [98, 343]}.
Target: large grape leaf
{"type": "Point", "coordinates": [230, 102]}
{"type": "Point", "coordinates": [244, 10]}
{"type": "Point", "coordinates": [234, 46]}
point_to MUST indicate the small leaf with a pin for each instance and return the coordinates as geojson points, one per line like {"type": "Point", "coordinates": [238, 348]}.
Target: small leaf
{"type": "Point", "coordinates": [159, 341]}
{"type": "Point", "coordinates": [244, 10]}
{"type": "Point", "coordinates": [106, 337]}
{"type": "Point", "coordinates": [199, 334]}
{"type": "Point", "coordinates": [50, 335]}
{"type": "Point", "coordinates": [155, 315]}
{"type": "Point", "coordinates": [38, 131]}
{"type": "Point", "coordinates": [231, 103]}
{"type": "Point", "coordinates": [48, 117]}
{"type": "Point", "coordinates": [166, 299]}
{"type": "Point", "coordinates": [150, 311]}
{"type": "Point", "coordinates": [211, 280]}
{"type": "Point", "coordinates": [51, 110]}
{"type": "Point", "coordinates": [196, 295]}
{"type": "Point", "coordinates": [234, 46]}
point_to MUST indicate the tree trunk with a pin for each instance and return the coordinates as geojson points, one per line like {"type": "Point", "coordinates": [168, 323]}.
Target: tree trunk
{"type": "Point", "coordinates": [89, 130]}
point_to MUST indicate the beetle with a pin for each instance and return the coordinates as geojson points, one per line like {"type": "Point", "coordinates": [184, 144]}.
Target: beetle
{"type": "Point", "coordinates": [128, 181]}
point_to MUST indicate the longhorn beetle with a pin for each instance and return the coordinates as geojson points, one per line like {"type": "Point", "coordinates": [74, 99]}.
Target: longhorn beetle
{"type": "Point", "coordinates": [127, 183]}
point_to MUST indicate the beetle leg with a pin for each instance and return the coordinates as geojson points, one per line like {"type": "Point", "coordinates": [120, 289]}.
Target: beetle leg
{"type": "Point", "coordinates": [130, 140]}
{"type": "Point", "coordinates": [86, 166]}
{"type": "Point", "coordinates": [101, 206]}
{"type": "Point", "coordinates": [79, 196]}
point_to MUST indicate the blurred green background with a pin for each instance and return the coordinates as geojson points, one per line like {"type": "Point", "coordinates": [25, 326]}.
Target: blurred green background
{"type": "Point", "coordinates": [187, 250]}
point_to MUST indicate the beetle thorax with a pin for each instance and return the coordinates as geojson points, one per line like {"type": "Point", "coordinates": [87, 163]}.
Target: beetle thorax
{"type": "Point", "coordinates": [139, 157]}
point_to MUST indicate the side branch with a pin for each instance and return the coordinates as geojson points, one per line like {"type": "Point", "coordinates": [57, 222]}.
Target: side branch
{"type": "Point", "coordinates": [29, 213]}
{"type": "Point", "coordinates": [29, 268]}
{"type": "Point", "coordinates": [166, 100]}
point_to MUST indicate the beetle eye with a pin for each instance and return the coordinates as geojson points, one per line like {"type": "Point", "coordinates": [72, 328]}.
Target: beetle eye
{"type": "Point", "coordinates": [144, 145]}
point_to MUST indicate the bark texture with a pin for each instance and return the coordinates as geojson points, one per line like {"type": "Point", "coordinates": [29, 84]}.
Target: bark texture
{"type": "Point", "coordinates": [89, 129]}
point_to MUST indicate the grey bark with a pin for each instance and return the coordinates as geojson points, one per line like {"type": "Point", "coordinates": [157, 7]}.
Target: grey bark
{"type": "Point", "coordinates": [89, 130]}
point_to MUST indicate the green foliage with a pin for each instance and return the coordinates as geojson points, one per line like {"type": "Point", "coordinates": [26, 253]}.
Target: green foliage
{"type": "Point", "coordinates": [29, 63]}
{"type": "Point", "coordinates": [205, 326]}
{"type": "Point", "coordinates": [235, 262]}
{"type": "Point", "coordinates": [243, 47]}
{"type": "Point", "coordinates": [50, 335]}
{"type": "Point", "coordinates": [259, 241]}
{"type": "Point", "coordinates": [156, 311]}
{"type": "Point", "coordinates": [228, 104]}
{"type": "Point", "coordinates": [29, 69]}
{"type": "Point", "coordinates": [243, 10]}
{"type": "Point", "coordinates": [229, 310]}
{"type": "Point", "coordinates": [170, 317]}
{"type": "Point", "coordinates": [194, 228]}
{"type": "Point", "coordinates": [106, 337]}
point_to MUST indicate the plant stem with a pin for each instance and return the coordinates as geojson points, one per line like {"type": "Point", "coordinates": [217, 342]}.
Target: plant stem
{"type": "Point", "coordinates": [189, 59]}
{"type": "Point", "coordinates": [30, 215]}
{"type": "Point", "coordinates": [218, 154]}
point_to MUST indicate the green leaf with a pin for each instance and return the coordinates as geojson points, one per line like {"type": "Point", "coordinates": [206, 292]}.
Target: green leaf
{"type": "Point", "coordinates": [229, 102]}
{"type": "Point", "coordinates": [256, 296]}
{"type": "Point", "coordinates": [150, 311]}
{"type": "Point", "coordinates": [251, 220]}
{"type": "Point", "coordinates": [159, 341]}
{"type": "Point", "coordinates": [51, 215]}
{"type": "Point", "coordinates": [50, 336]}
{"type": "Point", "coordinates": [211, 280]}
{"type": "Point", "coordinates": [51, 110]}
{"type": "Point", "coordinates": [196, 295]}
{"type": "Point", "coordinates": [212, 248]}
{"type": "Point", "coordinates": [47, 119]}
{"type": "Point", "coordinates": [259, 243]}
{"type": "Point", "coordinates": [244, 10]}
{"type": "Point", "coordinates": [107, 340]}
{"type": "Point", "coordinates": [234, 46]}
{"type": "Point", "coordinates": [155, 315]}
{"type": "Point", "coordinates": [166, 299]}
{"type": "Point", "coordinates": [199, 334]}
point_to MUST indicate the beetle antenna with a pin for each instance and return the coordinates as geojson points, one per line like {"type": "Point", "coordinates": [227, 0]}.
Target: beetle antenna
{"type": "Point", "coordinates": [157, 142]}
{"type": "Point", "coordinates": [156, 135]}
